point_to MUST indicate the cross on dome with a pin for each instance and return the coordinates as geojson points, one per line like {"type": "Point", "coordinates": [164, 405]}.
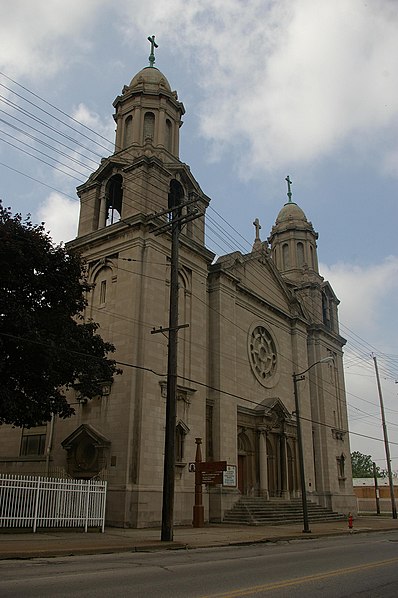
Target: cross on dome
{"type": "Point", "coordinates": [289, 192]}
{"type": "Point", "coordinates": [154, 45]}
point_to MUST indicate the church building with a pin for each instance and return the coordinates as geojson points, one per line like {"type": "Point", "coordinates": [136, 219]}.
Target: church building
{"type": "Point", "coordinates": [250, 325]}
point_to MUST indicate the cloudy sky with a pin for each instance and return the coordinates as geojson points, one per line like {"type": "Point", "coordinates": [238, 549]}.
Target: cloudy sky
{"type": "Point", "coordinates": [307, 88]}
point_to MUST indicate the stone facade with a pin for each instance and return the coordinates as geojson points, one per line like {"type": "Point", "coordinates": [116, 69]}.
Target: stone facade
{"type": "Point", "coordinates": [253, 321]}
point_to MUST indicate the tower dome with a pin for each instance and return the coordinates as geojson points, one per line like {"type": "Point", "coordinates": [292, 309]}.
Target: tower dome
{"type": "Point", "coordinates": [151, 79]}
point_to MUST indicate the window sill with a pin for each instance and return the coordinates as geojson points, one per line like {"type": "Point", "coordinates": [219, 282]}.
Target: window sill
{"type": "Point", "coordinates": [23, 458]}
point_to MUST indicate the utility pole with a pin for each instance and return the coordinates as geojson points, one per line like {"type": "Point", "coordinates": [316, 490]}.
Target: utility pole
{"type": "Point", "coordinates": [377, 493]}
{"type": "Point", "coordinates": [386, 445]}
{"type": "Point", "coordinates": [297, 378]}
{"type": "Point", "coordinates": [306, 528]}
{"type": "Point", "coordinates": [175, 224]}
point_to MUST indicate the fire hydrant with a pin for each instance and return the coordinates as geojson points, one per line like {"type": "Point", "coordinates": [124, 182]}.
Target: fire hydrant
{"type": "Point", "coordinates": [350, 522]}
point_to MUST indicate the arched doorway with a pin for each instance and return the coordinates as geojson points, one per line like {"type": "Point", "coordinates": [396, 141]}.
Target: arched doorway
{"type": "Point", "coordinates": [245, 458]}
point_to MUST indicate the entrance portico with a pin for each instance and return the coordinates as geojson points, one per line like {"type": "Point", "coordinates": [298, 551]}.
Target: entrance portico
{"type": "Point", "coordinates": [267, 454]}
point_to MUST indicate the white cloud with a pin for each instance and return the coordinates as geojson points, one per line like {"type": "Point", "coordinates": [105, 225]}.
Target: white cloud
{"type": "Point", "coordinates": [295, 79]}
{"type": "Point", "coordinates": [102, 132]}
{"type": "Point", "coordinates": [391, 163]}
{"type": "Point", "coordinates": [367, 294]}
{"type": "Point", "coordinates": [289, 81]}
{"type": "Point", "coordinates": [60, 216]}
{"type": "Point", "coordinates": [40, 38]}
{"type": "Point", "coordinates": [367, 311]}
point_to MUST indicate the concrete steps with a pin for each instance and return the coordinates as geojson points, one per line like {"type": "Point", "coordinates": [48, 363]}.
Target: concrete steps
{"type": "Point", "coordinates": [259, 511]}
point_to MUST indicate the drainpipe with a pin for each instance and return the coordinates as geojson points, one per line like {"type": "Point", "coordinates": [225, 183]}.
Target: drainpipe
{"type": "Point", "coordinates": [50, 445]}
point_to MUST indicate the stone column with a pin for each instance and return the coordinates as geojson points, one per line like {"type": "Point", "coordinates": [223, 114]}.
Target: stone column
{"type": "Point", "coordinates": [283, 466]}
{"type": "Point", "coordinates": [137, 126]}
{"type": "Point", "coordinates": [176, 144]}
{"type": "Point", "coordinates": [102, 212]}
{"type": "Point", "coordinates": [262, 447]}
{"type": "Point", "coordinates": [161, 129]}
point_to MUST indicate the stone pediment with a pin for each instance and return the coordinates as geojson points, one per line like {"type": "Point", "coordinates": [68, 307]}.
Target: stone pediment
{"type": "Point", "coordinates": [87, 452]}
{"type": "Point", "coordinates": [255, 274]}
{"type": "Point", "coordinates": [327, 288]}
{"type": "Point", "coordinates": [107, 168]}
{"type": "Point", "coordinates": [183, 173]}
{"type": "Point", "coordinates": [273, 408]}
{"type": "Point", "coordinates": [85, 431]}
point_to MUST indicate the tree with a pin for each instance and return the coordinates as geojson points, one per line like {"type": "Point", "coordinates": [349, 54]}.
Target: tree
{"type": "Point", "coordinates": [45, 345]}
{"type": "Point", "coordinates": [362, 466]}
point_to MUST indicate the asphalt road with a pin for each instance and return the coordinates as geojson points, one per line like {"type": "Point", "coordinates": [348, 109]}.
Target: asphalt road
{"type": "Point", "coordinates": [365, 565]}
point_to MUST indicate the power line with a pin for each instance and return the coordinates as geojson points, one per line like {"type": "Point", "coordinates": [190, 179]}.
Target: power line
{"type": "Point", "coordinates": [193, 381]}
{"type": "Point", "coordinates": [223, 237]}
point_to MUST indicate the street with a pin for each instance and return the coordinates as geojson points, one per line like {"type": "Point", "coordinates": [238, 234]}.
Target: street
{"type": "Point", "coordinates": [356, 565]}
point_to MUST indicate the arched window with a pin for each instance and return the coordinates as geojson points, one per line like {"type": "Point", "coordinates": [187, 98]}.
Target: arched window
{"type": "Point", "coordinates": [168, 134]}
{"type": "Point", "coordinates": [285, 256]}
{"type": "Point", "coordinates": [128, 131]}
{"type": "Point", "coordinates": [341, 466]}
{"type": "Point", "coordinates": [149, 126]}
{"type": "Point", "coordinates": [328, 310]}
{"type": "Point", "coordinates": [101, 287]}
{"type": "Point", "coordinates": [181, 432]}
{"type": "Point", "coordinates": [114, 199]}
{"type": "Point", "coordinates": [312, 257]}
{"type": "Point", "coordinates": [300, 254]}
{"type": "Point", "coordinates": [243, 443]}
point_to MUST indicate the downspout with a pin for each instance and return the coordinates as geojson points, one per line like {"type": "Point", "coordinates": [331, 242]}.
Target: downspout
{"type": "Point", "coordinates": [50, 444]}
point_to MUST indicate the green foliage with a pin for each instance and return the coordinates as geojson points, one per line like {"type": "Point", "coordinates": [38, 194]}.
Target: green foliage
{"type": "Point", "coordinates": [45, 347]}
{"type": "Point", "coordinates": [362, 466]}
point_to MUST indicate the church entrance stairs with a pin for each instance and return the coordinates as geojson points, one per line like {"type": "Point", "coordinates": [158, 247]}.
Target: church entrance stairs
{"type": "Point", "coordinates": [259, 511]}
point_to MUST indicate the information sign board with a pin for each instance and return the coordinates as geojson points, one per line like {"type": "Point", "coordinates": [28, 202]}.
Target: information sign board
{"type": "Point", "coordinates": [212, 478]}
{"type": "Point", "coordinates": [211, 466]}
{"type": "Point", "coordinates": [229, 476]}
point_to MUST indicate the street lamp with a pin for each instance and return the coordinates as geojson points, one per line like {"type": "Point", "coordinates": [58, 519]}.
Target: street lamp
{"type": "Point", "coordinates": [297, 377]}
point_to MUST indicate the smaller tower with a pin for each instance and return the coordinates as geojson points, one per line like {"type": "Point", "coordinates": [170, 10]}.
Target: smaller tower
{"type": "Point", "coordinates": [293, 241]}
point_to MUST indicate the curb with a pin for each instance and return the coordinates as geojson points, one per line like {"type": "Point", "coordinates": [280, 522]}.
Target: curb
{"type": "Point", "coordinates": [161, 546]}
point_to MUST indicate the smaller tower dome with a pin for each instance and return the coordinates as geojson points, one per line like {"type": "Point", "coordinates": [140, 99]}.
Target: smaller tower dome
{"type": "Point", "coordinates": [150, 79]}
{"type": "Point", "coordinates": [290, 211]}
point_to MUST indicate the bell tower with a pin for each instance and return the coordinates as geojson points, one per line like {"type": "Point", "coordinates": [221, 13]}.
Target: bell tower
{"type": "Point", "coordinates": [138, 177]}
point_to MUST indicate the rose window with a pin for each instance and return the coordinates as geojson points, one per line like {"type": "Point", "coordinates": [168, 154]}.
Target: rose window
{"type": "Point", "coordinates": [262, 352]}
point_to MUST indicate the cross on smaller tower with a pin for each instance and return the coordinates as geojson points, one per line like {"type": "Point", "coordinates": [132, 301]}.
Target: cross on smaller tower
{"type": "Point", "coordinates": [289, 192]}
{"type": "Point", "coordinates": [154, 45]}
{"type": "Point", "coordinates": [257, 226]}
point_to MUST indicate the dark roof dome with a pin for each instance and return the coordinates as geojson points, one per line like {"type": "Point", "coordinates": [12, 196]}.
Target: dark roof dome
{"type": "Point", "coordinates": [290, 211]}
{"type": "Point", "coordinates": [151, 78]}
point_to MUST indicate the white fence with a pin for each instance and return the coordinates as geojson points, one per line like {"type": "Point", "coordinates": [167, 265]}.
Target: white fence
{"type": "Point", "coordinates": [31, 501]}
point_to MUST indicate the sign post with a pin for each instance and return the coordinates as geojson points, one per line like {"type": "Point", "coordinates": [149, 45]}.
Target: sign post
{"type": "Point", "coordinates": [198, 508]}
{"type": "Point", "coordinates": [208, 472]}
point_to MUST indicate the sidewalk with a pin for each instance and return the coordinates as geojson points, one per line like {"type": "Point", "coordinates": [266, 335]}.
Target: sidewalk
{"type": "Point", "coordinates": [53, 543]}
